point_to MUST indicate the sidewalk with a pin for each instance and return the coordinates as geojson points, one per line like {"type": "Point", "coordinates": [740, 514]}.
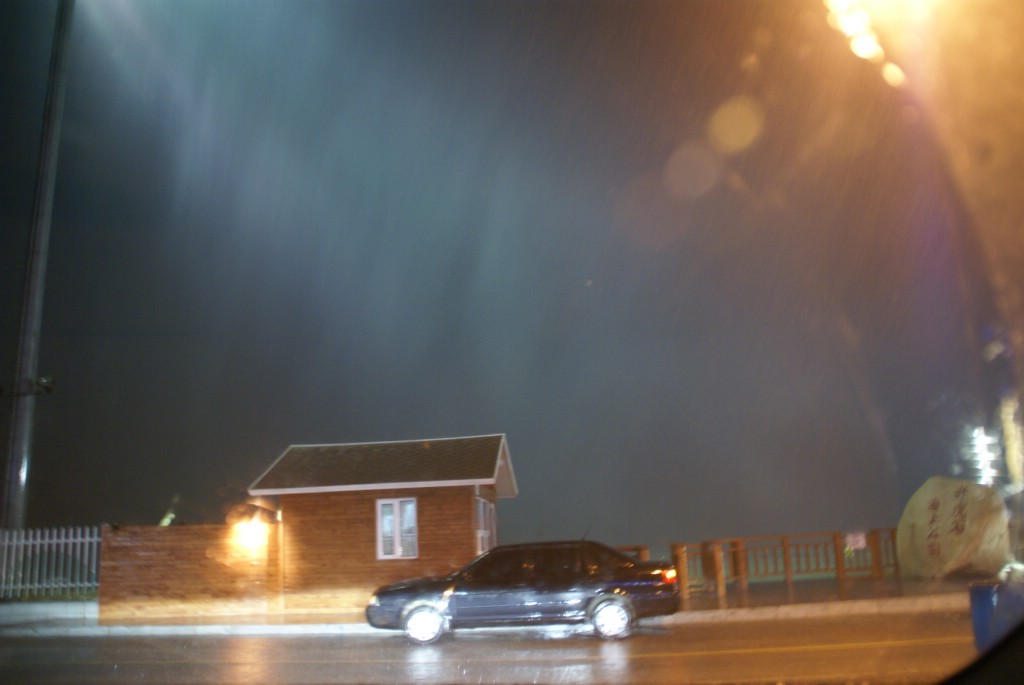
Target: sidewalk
{"type": "Point", "coordinates": [81, 619]}
{"type": "Point", "coordinates": [805, 599]}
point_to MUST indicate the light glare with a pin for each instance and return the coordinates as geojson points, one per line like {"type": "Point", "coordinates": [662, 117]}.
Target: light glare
{"type": "Point", "coordinates": [250, 535]}
{"type": "Point", "coordinates": [736, 125]}
{"type": "Point", "coordinates": [1009, 416]}
{"type": "Point", "coordinates": [893, 75]}
{"type": "Point", "coordinates": [865, 45]}
{"type": "Point", "coordinates": [854, 19]}
{"type": "Point", "coordinates": [983, 454]}
{"type": "Point", "coordinates": [854, 23]}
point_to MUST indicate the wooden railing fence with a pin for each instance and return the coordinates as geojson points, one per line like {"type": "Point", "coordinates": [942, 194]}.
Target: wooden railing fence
{"type": "Point", "coordinates": [716, 564]}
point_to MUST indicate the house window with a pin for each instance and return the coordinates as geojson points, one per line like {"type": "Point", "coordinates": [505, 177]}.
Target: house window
{"type": "Point", "coordinates": [485, 528]}
{"type": "Point", "coordinates": [396, 529]}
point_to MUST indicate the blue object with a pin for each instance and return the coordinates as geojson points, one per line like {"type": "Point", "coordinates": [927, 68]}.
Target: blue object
{"type": "Point", "coordinates": [996, 609]}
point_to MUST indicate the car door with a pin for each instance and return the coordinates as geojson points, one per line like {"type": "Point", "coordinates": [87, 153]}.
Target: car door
{"type": "Point", "coordinates": [495, 590]}
{"type": "Point", "coordinates": [561, 585]}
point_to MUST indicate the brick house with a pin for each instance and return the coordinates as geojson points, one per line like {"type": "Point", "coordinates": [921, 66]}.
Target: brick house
{"type": "Point", "coordinates": [355, 516]}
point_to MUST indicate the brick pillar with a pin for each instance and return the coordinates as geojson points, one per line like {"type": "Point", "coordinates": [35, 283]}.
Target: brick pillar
{"type": "Point", "coordinates": [682, 570]}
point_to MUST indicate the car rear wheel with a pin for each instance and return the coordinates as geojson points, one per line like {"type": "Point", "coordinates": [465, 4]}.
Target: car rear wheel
{"type": "Point", "coordinates": [612, 620]}
{"type": "Point", "coordinates": [424, 625]}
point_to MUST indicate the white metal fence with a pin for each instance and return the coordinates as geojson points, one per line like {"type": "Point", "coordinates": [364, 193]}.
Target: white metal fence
{"type": "Point", "coordinates": [49, 562]}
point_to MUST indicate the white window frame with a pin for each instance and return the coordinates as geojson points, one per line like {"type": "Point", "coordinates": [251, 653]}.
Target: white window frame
{"type": "Point", "coordinates": [399, 549]}
{"type": "Point", "coordinates": [484, 524]}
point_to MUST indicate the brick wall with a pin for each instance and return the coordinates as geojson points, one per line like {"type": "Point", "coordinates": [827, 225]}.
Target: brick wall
{"type": "Point", "coordinates": [185, 571]}
{"type": "Point", "coordinates": [330, 547]}
{"type": "Point", "coordinates": [322, 558]}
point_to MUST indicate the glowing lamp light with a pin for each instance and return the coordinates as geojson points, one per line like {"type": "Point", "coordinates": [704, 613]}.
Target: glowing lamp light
{"type": "Point", "coordinates": [250, 536]}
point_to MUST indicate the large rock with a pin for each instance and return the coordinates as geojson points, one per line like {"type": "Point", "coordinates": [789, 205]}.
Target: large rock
{"type": "Point", "coordinates": [953, 526]}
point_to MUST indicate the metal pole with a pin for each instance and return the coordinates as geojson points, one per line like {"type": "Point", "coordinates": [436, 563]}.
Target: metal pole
{"type": "Point", "coordinates": [23, 411]}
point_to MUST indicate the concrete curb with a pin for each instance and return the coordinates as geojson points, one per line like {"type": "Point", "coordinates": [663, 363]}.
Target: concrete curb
{"type": "Point", "coordinates": [17, 612]}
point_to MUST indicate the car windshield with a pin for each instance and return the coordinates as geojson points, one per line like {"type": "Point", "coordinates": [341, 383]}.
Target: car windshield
{"type": "Point", "coordinates": [736, 285]}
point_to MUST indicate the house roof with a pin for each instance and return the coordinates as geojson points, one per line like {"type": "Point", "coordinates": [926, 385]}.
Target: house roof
{"type": "Point", "coordinates": [479, 460]}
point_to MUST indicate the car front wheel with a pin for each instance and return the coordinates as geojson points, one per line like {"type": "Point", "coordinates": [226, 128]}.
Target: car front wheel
{"type": "Point", "coordinates": [424, 625]}
{"type": "Point", "coordinates": [612, 620]}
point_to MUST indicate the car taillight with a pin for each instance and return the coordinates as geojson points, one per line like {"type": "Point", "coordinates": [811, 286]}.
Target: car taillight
{"type": "Point", "coordinates": [668, 575]}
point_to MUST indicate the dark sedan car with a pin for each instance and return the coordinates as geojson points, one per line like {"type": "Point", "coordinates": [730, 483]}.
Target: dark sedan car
{"type": "Point", "coordinates": [532, 584]}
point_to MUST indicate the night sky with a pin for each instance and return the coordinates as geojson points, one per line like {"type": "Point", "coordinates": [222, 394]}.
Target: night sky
{"type": "Point", "coordinates": [288, 223]}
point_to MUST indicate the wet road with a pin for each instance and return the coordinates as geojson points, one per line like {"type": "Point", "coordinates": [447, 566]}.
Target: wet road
{"type": "Point", "coordinates": [921, 648]}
